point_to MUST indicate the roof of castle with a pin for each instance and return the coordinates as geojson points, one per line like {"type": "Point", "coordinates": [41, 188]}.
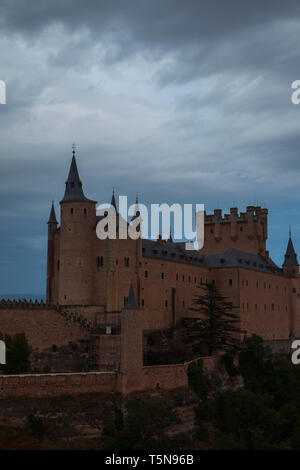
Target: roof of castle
{"type": "Point", "coordinates": [74, 191]}
{"type": "Point", "coordinates": [52, 217]}
{"type": "Point", "coordinates": [230, 258]}
{"type": "Point", "coordinates": [131, 303]}
{"type": "Point", "coordinates": [290, 257]}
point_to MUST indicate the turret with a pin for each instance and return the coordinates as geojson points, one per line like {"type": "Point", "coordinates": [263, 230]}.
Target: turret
{"type": "Point", "coordinates": [290, 264]}
{"type": "Point", "coordinates": [52, 230]}
{"type": "Point", "coordinates": [77, 235]}
{"type": "Point", "coordinates": [131, 364]}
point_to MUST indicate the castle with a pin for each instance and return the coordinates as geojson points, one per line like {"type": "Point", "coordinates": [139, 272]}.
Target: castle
{"type": "Point", "coordinates": [108, 292]}
{"type": "Point", "coordinates": [94, 275]}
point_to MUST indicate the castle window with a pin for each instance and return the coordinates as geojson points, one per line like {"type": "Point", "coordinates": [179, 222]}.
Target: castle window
{"type": "Point", "coordinates": [265, 307]}
{"type": "Point", "coordinates": [246, 282]}
{"type": "Point", "coordinates": [176, 277]}
{"type": "Point", "coordinates": [230, 282]}
{"type": "Point", "coordinates": [265, 285]}
{"type": "Point", "coordinates": [183, 278]}
{"type": "Point", "coordinates": [117, 262]}
{"type": "Point", "coordinates": [126, 262]}
{"type": "Point", "coordinates": [99, 261]}
{"type": "Point", "coordinates": [241, 229]}
{"type": "Point", "coordinates": [256, 283]}
{"type": "Point", "coordinates": [272, 306]}
{"type": "Point", "coordinates": [213, 282]}
{"type": "Point", "coordinates": [143, 302]}
{"type": "Point", "coordinates": [72, 210]}
{"type": "Point", "coordinates": [195, 280]}
{"type": "Point", "coordinates": [84, 211]}
{"type": "Point", "coordinates": [183, 303]}
{"type": "Point", "coordinates": [58, 265]}
{"type": "Point", "coordinates": [166, 303]}
{"type": "Point", "coordinates": [242, 282]}
{"type": "Point", "coordinates": [189, 278]}
{"type": "Point", "coordinates": [255, 306]}
{"type": "Point", "coordinates": [162, 275]}
{"type": "Point", "coordinates": [294, 290]}
{"type": "Point", "coordinates": [108, 330]}
{"type": "Point", "coordinates": [146, 274]}
{"type": "Point", "coordinates": [211, 230]}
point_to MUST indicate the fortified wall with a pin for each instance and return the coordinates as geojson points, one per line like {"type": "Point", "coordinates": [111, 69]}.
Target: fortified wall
{"type": "Point", "coordinates": [168, 377]}
{"type": "Point", "coordinates": [44, 325]}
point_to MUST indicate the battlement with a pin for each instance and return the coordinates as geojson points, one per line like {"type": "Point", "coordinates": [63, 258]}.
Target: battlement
{"type": "Point", "coordinates": [252, 212]}
{"type": "Point", "coordinates": [247, 231]}
{"type": "Point", "coordinates": [25, 304]}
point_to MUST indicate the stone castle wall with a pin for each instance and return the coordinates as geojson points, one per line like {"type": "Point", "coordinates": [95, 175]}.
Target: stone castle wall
{"type": "Point", "coordinates": [165, 377]}
{"type": "Point", "coordinates": [43, 385]}
{"type": "Point", "coordinates": [43, 325]}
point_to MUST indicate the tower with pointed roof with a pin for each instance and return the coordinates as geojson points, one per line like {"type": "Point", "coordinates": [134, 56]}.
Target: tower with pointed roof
{"type": "Point", "coordinates": [131, 355]}
{"type": "Point", "coordinates": [52, 230]}
{"type": "Point", "coordinates": [77, 236]}
{"type": "Point", "coordinates": [290, 265]}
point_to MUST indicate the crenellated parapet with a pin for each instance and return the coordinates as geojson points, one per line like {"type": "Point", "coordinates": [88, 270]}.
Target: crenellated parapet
{"type": "Point", "coordinates": [25, 304]}
{"type": "Point", "coordinates": [245, 230]}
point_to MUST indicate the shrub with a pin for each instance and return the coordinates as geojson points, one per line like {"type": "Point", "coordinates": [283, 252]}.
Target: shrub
{"type": "Point", "coordinates": [197, 382]}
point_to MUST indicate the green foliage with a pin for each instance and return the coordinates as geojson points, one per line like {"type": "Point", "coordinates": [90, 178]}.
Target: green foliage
{"type": "Point", "coordinates": [197, 382]}
{"type": "Point", "coordinates": [202, 432]}
{"type": "Point", "coordinates": [216, 327]}
{"type": "Point", "coordinates": [203, 411]}
{"type": "Point", "coordinates": [265, 415]}
{"type": "Point", "coordinates": [36, 426]}
{"type": "Point", "coordinates": [17, 354]}
{"type": "Point", "coordinates": [142, 427]}
{"type": "Point", "coordinates": [228, 360]}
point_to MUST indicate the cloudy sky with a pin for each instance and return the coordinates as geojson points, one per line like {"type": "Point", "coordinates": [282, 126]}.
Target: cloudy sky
{"type": "Point", "coordinates": [178, 101]}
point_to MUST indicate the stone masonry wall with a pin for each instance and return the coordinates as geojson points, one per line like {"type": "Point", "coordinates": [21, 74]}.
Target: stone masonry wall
{"type": "Point", "coordinates": [41, 385]}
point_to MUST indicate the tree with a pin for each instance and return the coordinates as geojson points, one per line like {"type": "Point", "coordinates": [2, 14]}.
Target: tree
{"type": "Point", "coordinates": [216, 327]}
{"type": "Point", "coordinates": [143, 427]}
{"type": "Point", "coordinates": [17, 354]}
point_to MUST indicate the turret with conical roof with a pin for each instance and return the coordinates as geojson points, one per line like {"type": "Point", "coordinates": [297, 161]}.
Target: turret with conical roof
{"type": "Point", "coordinates": [131, 303]}
{"type": "Point", "coordinates": [52, 216]}
{"type": "Point", "coordinates": [77, 234]}
{"type": "Point", "coordinates": [52, 230]}
{"type": "Point", "coordinates": [113, 201]}
{"type": "Point", "coordinates": [74, 191]}
{"type": "Point", "coordinates": [290, 264]}
{"type": "Point", "coordinates": [131, 355]}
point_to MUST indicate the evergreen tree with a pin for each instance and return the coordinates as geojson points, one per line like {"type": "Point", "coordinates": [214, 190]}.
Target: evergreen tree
{"type": "Point", "coordinates": [216, 327]}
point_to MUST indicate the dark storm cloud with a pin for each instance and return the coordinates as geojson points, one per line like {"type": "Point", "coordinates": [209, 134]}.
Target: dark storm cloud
{"type": "Point", "coordinates": [184, 100]}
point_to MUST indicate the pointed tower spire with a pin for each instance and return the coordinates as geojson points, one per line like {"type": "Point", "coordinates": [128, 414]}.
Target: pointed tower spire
{"type": "Point", "coordinates": [137, 212]}
{"type": "Point", "coordinates": [131, 303]}
{"type": "Point", "coordinates": [73, 191]}
{"type": "Point", "coordinates": [290, 258]}
{"type": "Point", "coordinates": [113, 200]}
{"type": "Point", "coordinates": [52, 217]}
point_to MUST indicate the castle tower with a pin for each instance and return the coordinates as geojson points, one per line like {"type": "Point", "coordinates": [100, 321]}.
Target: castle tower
{"type": "Point", "coordinates": [77, 236]}
{"type": "Point", "coordinates": [112, 268]}
{"type": "Point", "coordinates": [290, 265]}
{"type": "Point", "coordinates": [52, 230]}
{"type": "Point", "coordinates": [136, 219]}
{"type": "Point", "coordinates": [131, 360]}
